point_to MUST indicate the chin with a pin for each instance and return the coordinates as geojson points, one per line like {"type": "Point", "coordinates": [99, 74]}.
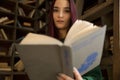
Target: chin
{"type": "Point", "coordinates": [60, 27]}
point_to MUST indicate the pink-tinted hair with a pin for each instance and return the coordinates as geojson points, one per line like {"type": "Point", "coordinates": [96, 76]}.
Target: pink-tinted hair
{"type": "Point", "coordinates": [51, 27]}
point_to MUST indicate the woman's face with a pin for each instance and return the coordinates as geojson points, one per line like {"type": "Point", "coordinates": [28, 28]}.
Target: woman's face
{"type": "Point", "coordinates": [61, 14]}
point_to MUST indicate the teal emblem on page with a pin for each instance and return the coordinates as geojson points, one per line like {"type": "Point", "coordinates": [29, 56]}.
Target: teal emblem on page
{"type": "Point", "coordinates": [88, 62]}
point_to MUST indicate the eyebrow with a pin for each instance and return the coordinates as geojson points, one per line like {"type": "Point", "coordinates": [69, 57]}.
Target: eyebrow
{"type": "Point", "coordinates": [64, 7]}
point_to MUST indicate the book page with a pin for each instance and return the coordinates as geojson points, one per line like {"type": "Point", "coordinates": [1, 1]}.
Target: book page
{"type": "Point", "coordinates": [77, 27]}
{"type": "Point", "coordinates": [81, 34]}
{"type": "Point", "coordinates": [34, 39]}
{"type": "Point", "coordinates": [87, 49]}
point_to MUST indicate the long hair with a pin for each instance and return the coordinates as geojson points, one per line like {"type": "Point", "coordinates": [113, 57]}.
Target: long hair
{"type": "Point", "coordinates": [51, 27]}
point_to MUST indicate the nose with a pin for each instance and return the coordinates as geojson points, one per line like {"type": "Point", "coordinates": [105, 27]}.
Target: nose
{"type": "Point", "coordinates": [61, 14]}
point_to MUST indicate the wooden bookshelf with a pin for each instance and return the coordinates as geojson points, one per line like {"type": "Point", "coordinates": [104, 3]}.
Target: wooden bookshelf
{"type": "Point", "coordinates": [105, 12]}
{"type": "Point", "coordinates": [13, 27]}
{"type": "Point", "coordinates": [116, 35]}
{"type": "Point", "coordinates": [99, 12]}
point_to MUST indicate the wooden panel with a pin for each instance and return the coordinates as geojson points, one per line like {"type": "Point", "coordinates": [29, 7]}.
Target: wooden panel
{"type": "Point", "coordinates": [79, 5]}
{"type": "Point", "coordinates": [116, 34]}
{"type": "Point", "coordinates": [98, 11]}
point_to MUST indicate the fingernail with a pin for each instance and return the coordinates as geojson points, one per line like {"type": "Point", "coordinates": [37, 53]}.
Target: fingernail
{"type": "Point", "coordinates": [74, 68]}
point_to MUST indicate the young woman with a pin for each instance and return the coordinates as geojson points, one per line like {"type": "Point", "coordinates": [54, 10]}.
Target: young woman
{"type": "Point", "coordinates": [62, 16]}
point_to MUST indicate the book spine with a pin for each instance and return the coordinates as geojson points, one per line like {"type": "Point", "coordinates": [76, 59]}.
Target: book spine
{"type": "Point", "coordinates": [66, 61]}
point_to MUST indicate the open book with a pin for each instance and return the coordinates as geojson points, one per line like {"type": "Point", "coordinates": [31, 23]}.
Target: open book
{"type": "Point", "coordinates": [45, 56]}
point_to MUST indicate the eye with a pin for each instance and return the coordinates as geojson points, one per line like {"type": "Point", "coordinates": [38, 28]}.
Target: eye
{"type": "Point", "coordinates": [55, 10]}
{"type": "Point", "coordinates": [67, 10]}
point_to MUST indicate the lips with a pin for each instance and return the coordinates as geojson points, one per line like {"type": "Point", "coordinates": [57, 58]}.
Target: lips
{"type": "Point", "coordinates": [60, 21]}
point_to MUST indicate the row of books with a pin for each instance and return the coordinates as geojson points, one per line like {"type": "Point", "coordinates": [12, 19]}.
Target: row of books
{"type": "Point", "coordinates": [22, 12]}
{"type": "Point", "coordinates": [4, 66]}
{"type": "Point", "coordinates": [29, 2]}
{"type": "Point", "coordinates": [8, 51]}
{"type": "Point", "coordinates": [31, 13]}
{"type": "Point", "coordinates": [18, 66]}
{"type": "Point", "coordinates": [24, 25]}
{"type": "Point", "coordinates": [5, 77]}
{"type": "Point", "coordinates": [6, 21]}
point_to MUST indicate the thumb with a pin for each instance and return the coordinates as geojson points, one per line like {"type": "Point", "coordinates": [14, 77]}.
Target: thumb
{"type": "Point", "coordinates": [77, 74]}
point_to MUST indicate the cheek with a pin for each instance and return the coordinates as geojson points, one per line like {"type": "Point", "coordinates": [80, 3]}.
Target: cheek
{"type": "Point", "coordinates": [68, 18]}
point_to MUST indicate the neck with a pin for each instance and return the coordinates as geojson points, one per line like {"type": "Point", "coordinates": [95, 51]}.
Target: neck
{"type": "Point", "coordinates": [62, 33]}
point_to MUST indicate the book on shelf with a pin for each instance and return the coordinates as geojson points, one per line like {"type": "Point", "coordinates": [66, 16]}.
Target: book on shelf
{"type": "Point", "coordinates": [27, 24]}
{"type": "Point", "coordinates": [3, 64]}
{"type": "Point", "coordinates": [5, 68]}
{"type": "Point", "coordinates": [8, 22]}
{"type": "Point", "coordinates": [21, 11]}
{"type": "Point", "coordinates": [40, 2]}
{"type": "Point", "coordinates": [2, 53]}
{"type": "Point", "coordinates": [7, 78]}
{"type": "Point", "coordinates": [27, 27]}
{"type": "Point", "coordinates": [2, 19]}
{"type": "Point", "coordinates": [31, 13]}
{"type": "Point", "coordinates": [4, 34]}
{"type": "Point", "coordinates": [19, 66]}
{"type": "Point", "coordinates": [1, 36]}
{"type": "Point", "coordinates": [111, 43]}
{"type": "Point", "coordinates": [27, 1]}
{"type": "Point", "coordinates": [41, 24]}
{"type": "Point", "coordinates": [5, 20]}
{"type": "Point", "coordinates": [5, 9]}
{"type": "Point", "coordinates": [44, 56]}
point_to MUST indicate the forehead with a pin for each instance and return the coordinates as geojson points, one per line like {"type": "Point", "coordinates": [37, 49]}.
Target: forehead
{"type": "Point", "coordinates": [61, 3]}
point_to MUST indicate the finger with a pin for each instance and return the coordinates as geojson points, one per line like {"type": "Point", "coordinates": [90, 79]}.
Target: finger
{"type": "Point", "coordinates": [59, 78]}
{"type": "Point", "coordinates": [77, 74]}
{"type": "Point", "coordinates": [64, 77]}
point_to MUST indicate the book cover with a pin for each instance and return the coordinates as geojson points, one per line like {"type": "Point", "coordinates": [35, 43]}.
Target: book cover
{"type": "Point", "coordinates": [82, 47]}
{"type": "Point", "coordinates": [44, 62]}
